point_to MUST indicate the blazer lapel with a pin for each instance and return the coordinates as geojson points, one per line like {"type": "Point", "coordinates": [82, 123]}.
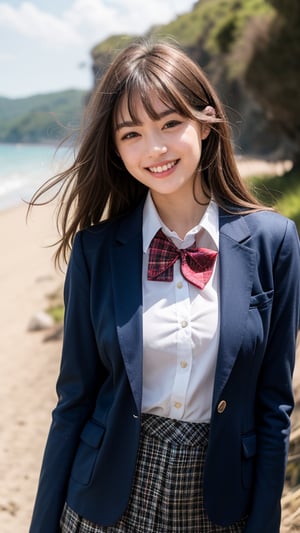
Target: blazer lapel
{"type": "Point", "coordinates": [237, 263]}
{"type": "Point", "coordinates": [126, 271]}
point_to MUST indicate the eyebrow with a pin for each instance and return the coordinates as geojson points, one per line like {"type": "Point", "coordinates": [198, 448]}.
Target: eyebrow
{"type": "Point", "coordinates": [131, 123]}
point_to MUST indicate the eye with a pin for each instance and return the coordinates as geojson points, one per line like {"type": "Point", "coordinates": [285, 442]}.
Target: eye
{"type": "Point", "coordinates": [129, 135]}
{"type": "Point", "coordinates": [171, 124]}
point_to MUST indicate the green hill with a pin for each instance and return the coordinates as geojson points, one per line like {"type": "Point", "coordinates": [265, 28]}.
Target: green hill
{"type": "Point", "coordinates": [40, 118]}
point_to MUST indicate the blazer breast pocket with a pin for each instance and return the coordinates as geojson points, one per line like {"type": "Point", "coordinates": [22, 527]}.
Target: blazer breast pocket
{"type": "Point", "coordinates": [261, 300]}
{"type": "Point", "coordinates": [87, 451]}
{"type": "Point", "coordinates": [257, 324]}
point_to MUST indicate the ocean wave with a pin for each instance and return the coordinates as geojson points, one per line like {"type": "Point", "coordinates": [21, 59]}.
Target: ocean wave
{"type": "Point", "coordinates": [23, 169]}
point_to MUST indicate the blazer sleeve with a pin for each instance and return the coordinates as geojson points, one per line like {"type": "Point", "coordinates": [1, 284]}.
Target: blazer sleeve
{"type": "Point", "coordinates": [78, 383]}
{"type": "Point", "coordinates": [274, 391]}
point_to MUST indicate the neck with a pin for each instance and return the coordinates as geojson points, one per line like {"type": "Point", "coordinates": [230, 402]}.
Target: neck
{"type": "Point", "coordinates": [180, 215]}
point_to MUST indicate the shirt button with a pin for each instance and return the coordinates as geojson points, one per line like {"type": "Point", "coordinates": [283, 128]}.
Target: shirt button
{"type": "Point", "coordinates": [179, 285]}
{"type": "Point", "coordinates": [177, 405]}
{"type": "Point", "coordinates": [183, 364]}
{"type": "Point", "coordinates": [184, 323]}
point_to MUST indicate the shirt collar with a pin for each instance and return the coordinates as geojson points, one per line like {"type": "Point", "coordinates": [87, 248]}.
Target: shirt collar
{"type": "Point", "coordinates": [152, 223]}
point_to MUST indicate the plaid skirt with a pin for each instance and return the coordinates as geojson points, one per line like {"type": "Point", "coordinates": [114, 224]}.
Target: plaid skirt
{"type": "Point", "coordinates": [167, 490]}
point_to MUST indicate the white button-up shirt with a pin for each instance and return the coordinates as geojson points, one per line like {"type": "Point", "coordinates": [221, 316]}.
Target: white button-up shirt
{"type": "Point", "coordinates": [180, 327]}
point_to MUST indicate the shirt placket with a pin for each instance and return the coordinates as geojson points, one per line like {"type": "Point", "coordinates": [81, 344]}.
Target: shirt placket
{"type": "Point", "coordinates": [183, 345]}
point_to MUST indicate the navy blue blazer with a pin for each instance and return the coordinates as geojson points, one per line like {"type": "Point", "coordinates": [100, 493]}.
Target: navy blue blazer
{"type": "Point", "coordinates": [91, 450]}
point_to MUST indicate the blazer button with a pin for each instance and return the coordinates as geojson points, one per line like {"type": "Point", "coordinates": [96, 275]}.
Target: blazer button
{"type": "Point", "coordinates": [222, 406]}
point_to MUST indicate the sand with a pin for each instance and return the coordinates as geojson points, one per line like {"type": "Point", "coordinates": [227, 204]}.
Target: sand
{"type": "Point", "coordinates": [29, 366]}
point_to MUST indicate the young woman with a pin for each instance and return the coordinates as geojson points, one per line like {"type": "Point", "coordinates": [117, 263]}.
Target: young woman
{"type": "Point", "coordinates": [182, 308]}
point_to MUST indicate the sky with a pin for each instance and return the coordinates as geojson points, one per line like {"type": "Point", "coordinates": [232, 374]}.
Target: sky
{"type": "Point", "coordinates": [45, 44]}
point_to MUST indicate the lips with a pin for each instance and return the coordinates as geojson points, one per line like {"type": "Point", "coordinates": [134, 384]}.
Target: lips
{"type": "Point", "coordinates": [163, 168]}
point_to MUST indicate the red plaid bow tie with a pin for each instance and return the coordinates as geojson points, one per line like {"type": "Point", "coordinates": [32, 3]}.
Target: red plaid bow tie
{"type": "Point", "coordinates": [196, 264]}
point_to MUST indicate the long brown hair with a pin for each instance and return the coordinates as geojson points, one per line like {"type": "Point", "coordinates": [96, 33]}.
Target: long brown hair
{"type": "Point", "coordinates": [98, 182]}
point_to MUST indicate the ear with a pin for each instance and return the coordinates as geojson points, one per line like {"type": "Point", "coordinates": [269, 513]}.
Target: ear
{"type": "Point", "coordinates": [210, 113]}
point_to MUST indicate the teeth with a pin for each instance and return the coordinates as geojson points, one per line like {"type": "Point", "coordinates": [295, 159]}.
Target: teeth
{"type": "Point", "coordinates": [162, 168]}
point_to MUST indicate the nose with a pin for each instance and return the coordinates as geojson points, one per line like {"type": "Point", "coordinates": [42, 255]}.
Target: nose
{"type": "Point", "coordinates": [156, 146]}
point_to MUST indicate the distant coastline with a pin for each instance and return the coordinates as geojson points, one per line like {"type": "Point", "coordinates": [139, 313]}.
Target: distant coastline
{"type": "Point", "coordinates": [41, 119]}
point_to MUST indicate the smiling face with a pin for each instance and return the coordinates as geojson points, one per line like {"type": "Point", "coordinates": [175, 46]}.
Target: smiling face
{"type": "Point", "coordinates": [161, 153]}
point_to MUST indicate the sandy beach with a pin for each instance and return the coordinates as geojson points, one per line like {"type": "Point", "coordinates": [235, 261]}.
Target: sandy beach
{"type": "Point", "coordinates": [29, 365]}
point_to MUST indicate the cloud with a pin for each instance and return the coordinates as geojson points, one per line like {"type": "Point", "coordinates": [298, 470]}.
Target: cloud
{"type": "Point", "coordinates": [6, 57]}
{"type": "Point", "coordinates": [126, 15]}
{"type": "Point", "coordinates": [32, 22]}
{"type": "Point", "coordinates": [42, 47]}
{"type": "Point", "coordinates": [86, 22]}
{"type": "Point", "coordinates": [94, 20]}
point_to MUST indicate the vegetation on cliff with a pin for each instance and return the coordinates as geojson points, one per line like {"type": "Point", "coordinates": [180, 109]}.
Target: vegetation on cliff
{"type": "Point", "coordinates": [273, 72]}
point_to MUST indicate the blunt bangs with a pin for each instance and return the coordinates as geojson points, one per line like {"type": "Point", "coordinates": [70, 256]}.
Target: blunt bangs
{"type": "Point", "coordinates": [149, 77]}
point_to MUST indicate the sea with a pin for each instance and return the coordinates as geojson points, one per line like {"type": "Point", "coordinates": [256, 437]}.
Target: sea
{"type": "Point", "coordinates": [25, 167]}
